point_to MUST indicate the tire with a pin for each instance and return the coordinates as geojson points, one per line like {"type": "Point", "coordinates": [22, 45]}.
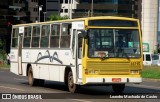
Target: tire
{"type": "Point", "coordinates": [72, 87]}
{"type": "Point", "coordinates": [31, 80]}
{"type": "Point", "coordinates": [118, 88]}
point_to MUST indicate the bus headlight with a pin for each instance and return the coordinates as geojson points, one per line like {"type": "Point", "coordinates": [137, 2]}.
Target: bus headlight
{"type": "Point", "coordinates": [134, 71]}
{"type": "Point", "coordinates": [86, 71]}
{"type": "Point", "coordinates": [93, 71]}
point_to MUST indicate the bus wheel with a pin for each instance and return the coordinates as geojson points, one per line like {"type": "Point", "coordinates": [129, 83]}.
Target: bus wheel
{"type": "Point", "coordinates": [31, 80]}
{"type": "Point", "coordinates": [71, 85]}
{"type": "Point", "coordinates": [118, 88]}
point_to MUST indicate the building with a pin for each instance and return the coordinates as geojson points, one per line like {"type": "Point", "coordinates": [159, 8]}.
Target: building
{"type": "Point", "coordinates": [149, 23]}
{"type": "Point", "coordinates": [84, 8]}
{"type": "Point", "coordinates": [33, 9]}
{"type": "Point", "coordinates": [52, 7]}
{"type": "Point", "coordinates": [22, 11]}
{"type": "Point", "coordinates": [11, 12]}
{"type": "Point", "coordinates": [4, 23]}
{"type": "Point", "coordinates": [40, 10]}
{"type": "Point", "coordinates": [159, 25]}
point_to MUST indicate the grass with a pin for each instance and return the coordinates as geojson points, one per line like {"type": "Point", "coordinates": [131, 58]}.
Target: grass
{"type": "Point", "coordinates": [4, 66]}
{"type": "Point", "coordinates": [151, 72]}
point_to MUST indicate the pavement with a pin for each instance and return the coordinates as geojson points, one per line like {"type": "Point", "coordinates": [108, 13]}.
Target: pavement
{"type": "Point", "coordinates": [56, 91]}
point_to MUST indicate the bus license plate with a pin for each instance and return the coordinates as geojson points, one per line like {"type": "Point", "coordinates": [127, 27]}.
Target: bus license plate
{"type": "Point", "coordinates": [116, 79]}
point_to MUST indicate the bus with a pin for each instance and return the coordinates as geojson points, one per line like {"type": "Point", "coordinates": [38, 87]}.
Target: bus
{"type": "Point", "coordinates": [79, 52]}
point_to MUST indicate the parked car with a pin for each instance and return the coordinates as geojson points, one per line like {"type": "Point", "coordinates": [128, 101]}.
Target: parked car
{"type": "Point", "coordinates": [147, 59]}
{"type": "Point", "coordinates": [156, 59]}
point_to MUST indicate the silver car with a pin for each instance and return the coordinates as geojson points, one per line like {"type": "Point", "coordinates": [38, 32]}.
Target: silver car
{"type": "Point", "coordinates": [156, 59]}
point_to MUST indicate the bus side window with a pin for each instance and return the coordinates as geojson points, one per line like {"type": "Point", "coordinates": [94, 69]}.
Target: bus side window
{"type": "Point", "coordinates": [15, 37]}
{"type": "Point", "coordinates": [65, 36]}
{"type": "Point", "coordinates": [27, 37]}
{"type": "Point", "coordinates": [55, 32]}
{"type": "Point", "coordinates": [35, 36]}
{"type": "Point", "coordinates": [79, 46]}
{"type": "Point", "coordinates": [45, 35]}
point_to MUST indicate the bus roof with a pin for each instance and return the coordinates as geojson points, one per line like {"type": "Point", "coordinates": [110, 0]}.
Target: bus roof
{"type": "Point", "coordinates": [79, 19]}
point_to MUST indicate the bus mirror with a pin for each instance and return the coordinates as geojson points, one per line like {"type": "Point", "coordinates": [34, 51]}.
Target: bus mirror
{"type": "Point", "coordinates": [20, 34]}
{"type": "Point", "coordinates": [83, 34]}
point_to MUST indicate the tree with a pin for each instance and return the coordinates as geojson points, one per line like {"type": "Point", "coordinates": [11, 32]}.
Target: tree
{"type": "Point", "coordinates": [54, 17]}
{"type": "Point", "coordinates": [3, 55]}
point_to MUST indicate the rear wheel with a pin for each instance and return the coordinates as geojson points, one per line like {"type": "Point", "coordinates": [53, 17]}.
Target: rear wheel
{"type": "Point", "coordinates": [118, 88]}
{"type": "Point", "coordinates": [73, 88]}
{"type": "Point", "coordinates": [32, 81]}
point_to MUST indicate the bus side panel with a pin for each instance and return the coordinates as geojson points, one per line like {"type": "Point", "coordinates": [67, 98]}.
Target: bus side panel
{"type": "Point", "coordinates": [26, 59]}
{"type": "Point", "coordinates": [14, 68]}
{"type": "Point", "coordinates": [54, 72]}
{"type": "Point", "coordinates": [63, 59]}
{"type": "Point", "coordinates": [35, 70]}
{"type": "Point", "coordinates": [44, 72]}
{"type": "Point", "coordinates": [41, 62]}
{"type": "Point", "coordinates": [14, 61]}
{"type": "Point", "coordinates": [66, 57]}
{"type": "Point", "coordinates": [24, 69]}
{"type": "Point", "coordinates": [33, 58]}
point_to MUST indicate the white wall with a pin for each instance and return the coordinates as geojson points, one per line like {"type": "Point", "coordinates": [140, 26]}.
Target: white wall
{"type": "Point", "coordinates": [68, 7]}
{"type": "Point", "coordinates": [149, 23]}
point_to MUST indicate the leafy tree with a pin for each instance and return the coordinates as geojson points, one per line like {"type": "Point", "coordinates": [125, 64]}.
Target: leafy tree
{"type": "Point", "coordinates": [54, 17]}
{"type": "Point", "coordinates": [3, 55]}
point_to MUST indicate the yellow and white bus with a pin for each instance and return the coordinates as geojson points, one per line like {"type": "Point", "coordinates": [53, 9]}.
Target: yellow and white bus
{"type": "Point", "coordinates": [84, 51]}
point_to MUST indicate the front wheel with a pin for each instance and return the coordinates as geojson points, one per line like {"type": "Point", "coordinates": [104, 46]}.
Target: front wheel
{"type": "Point", "coordinates": [73, 88]}
{"type": "Point", "coordinates": [118, 88]}
{"type": "Point", "coordinates": [31, 80]}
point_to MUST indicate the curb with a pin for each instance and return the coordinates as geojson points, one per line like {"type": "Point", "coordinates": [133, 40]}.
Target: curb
{"type": "Point", "coordinates": [149, 79]}
{"type": "Point", "coordinates": [3, 68]}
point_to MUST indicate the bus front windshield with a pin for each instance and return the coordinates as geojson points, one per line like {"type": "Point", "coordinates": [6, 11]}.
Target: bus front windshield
{"type": "Point", "coordinates": [121, 43]}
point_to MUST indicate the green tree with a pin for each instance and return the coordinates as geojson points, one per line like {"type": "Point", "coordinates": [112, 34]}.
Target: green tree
{"type": "Point", "coordinates": [54, 17]}
{"type": "Point", "coordinates": [3, 55]}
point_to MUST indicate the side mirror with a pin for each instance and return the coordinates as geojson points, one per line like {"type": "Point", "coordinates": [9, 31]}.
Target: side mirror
{"type": "Point", "coordinates": [83, 33]}
{"type": "Point", "coordinates": [20, 34]}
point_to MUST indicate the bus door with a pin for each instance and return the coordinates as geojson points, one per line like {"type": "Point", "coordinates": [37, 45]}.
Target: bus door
{"type": "Point", "coordinates": [21, 31]}
{"type": "Point", "coordinates": [79, 39]}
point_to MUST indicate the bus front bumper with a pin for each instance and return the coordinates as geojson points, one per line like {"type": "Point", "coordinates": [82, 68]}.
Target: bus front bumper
{"type": "Point", "coordinates": [112, 80]}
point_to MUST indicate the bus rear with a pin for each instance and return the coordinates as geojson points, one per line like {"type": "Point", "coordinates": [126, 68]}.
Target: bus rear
{"type": "Point", "coordinates": [112, 52]}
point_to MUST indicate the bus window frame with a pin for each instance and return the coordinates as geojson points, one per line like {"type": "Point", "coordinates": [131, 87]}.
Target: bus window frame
{"type": "Point", "coordinates": [27, 36]}
{"type": "Point", "coordinates": [16, 31]}
{"type": "Point", "coordinates": [69, 32]}
{"type": "Point", "coordinates": [133, 28]}
{"type": "Point", "coordinates": [45, 35]}
{"type": "Point", "coordinates": [58, 36]}
{"type": "Point", "coordinates": [37, 25]}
